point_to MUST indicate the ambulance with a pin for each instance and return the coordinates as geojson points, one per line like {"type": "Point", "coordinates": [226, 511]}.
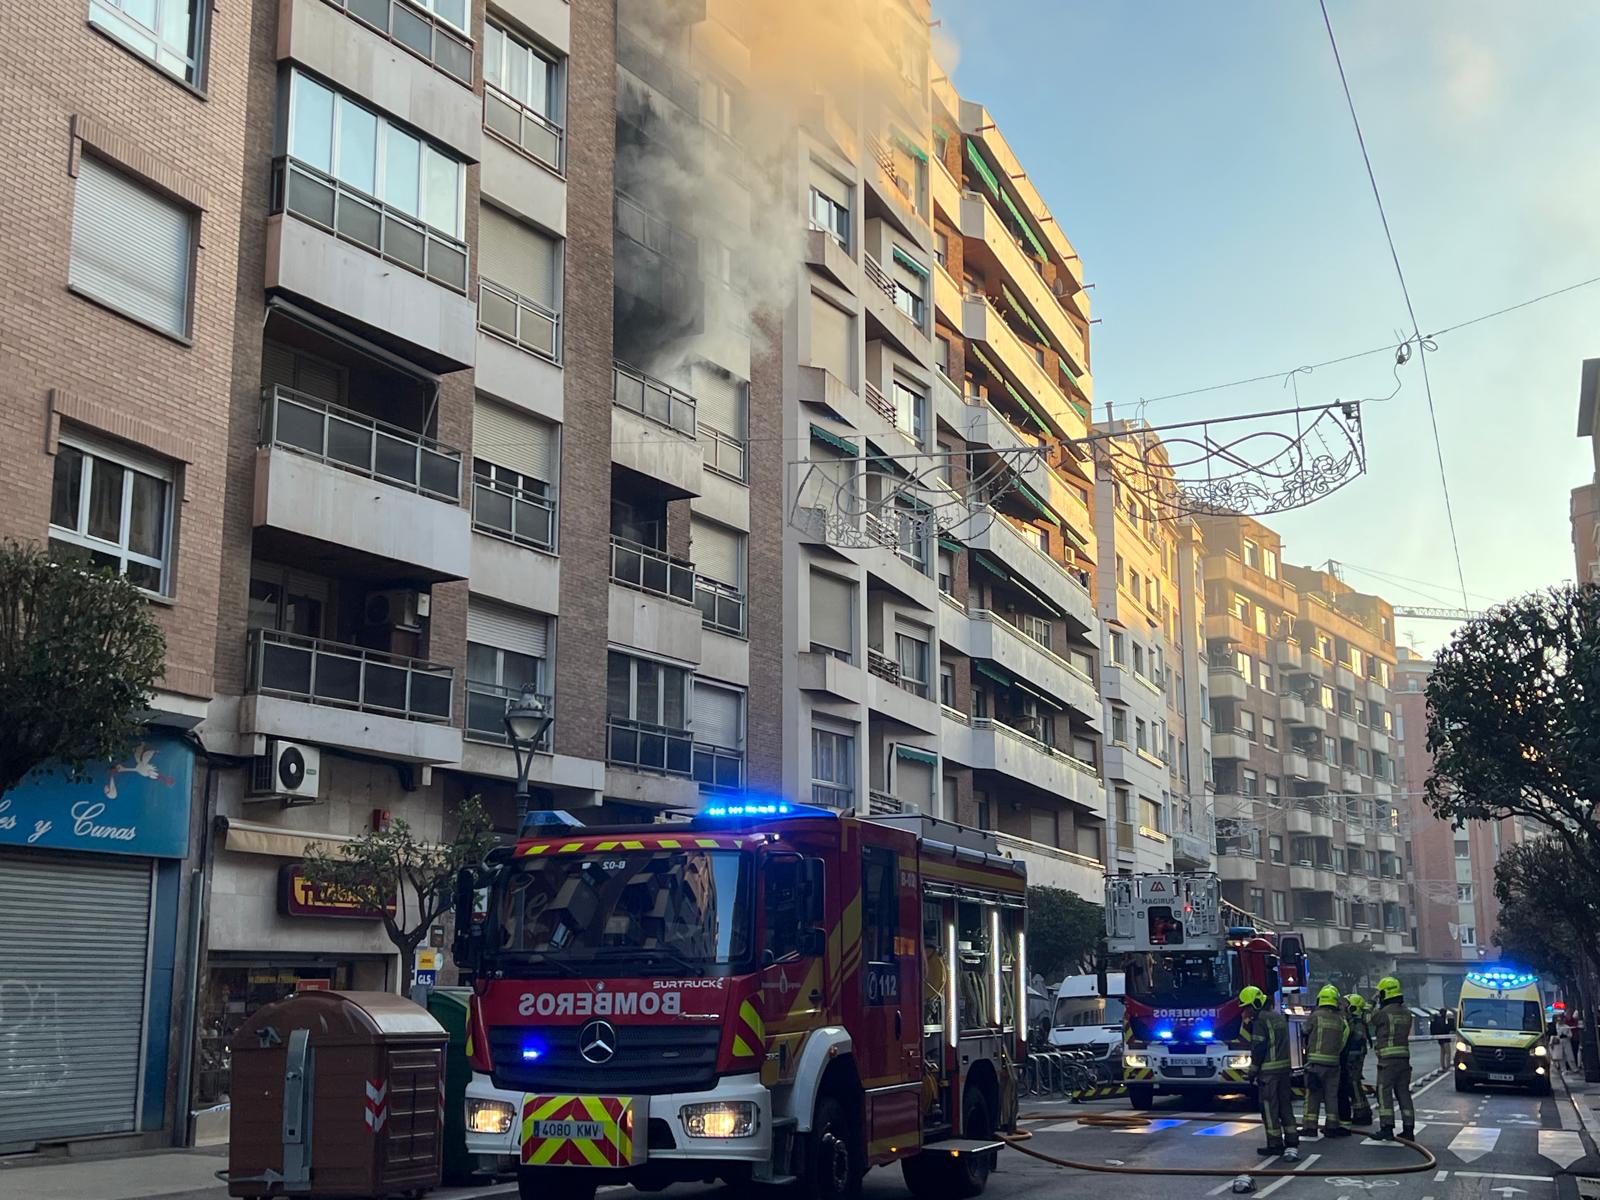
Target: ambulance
{"type": "Point", "coordinates": [1502, 1036]}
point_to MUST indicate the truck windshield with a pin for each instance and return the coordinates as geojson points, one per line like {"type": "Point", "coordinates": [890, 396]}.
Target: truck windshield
{"type": "Point", "coordinates": [1194, 978]}
{"type": "Point", "coordinates": [1491, 1013]}
{"type": "Point", "coordinates": [638, 909]}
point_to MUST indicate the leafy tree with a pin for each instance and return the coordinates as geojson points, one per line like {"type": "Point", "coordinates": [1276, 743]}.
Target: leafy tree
{"type": "Point", "coordinates": [79, 659]}
{"type": "Point", "coordinates": [1349, 965]}
{"type": "Point", "coordinates": [1066, 933]}
{"type": "Point", "coordinates": [411, 882]}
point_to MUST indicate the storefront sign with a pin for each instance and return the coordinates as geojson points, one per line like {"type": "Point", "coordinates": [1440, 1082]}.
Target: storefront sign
{"type": "Point", "coordinates": [299, 897]}
{"type": "Point", "coordinates": [137, 806]}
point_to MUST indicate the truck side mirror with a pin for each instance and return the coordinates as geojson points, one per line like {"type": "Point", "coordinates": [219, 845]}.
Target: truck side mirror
{"type": "Point", "coordinates": [813, 943]}
{"type": "Point", "coordinates": [469, 937]}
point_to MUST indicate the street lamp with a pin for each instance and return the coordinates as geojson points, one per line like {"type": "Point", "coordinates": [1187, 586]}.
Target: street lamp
{"type": "Point", "coordinates": [527, 718]}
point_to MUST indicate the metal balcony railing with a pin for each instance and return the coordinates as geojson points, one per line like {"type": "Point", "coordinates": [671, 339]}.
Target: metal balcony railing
{"type": "Point", "coordinates": [883, 667]}
{"type": "Point", "coordinates": [648, 747]}
{"type": "Point", "coordinates": [360, 444]}
{"type": "Point", "coordinates": [508, 511]}
{"type": "Point", "coordinates": [419, 32]}
{"type": "Point", "coordinates": [354, 216]}
{"type": "Point", "coordinates": [833, 795]}
{"type": "Point", "coordinates": [522, 322]}
{"type": "Point", "coordinates": [533, 133]}
{"type": "Point", "coordinates": [650, 67]}
{"type": "Point", "coordinates": [654, 400]}
{"type": "Point", "coordinates": [997, 726]}
{"type": "Point", "coordinates": [724, 453]}
{"type": "Point", "coordinates": [722, 607]}
{"type": "Point", "coordinates": [486, 713]}
{"type": "Point", "coordinates": [879, 403]}
{"type": "Point", "coordinates": [717, 768]}
{"type": "Point", "coordinates": [652, 570]}
{"type": "Point", "coordinates": [877, 276]}
{"type": "Point", "coordinates": [323, 672]}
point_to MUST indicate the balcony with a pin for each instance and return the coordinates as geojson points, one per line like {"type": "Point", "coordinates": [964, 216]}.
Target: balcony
{"type": "Point", "coordinates": [721, 606]}
{"type": "Point", "coordinates": [349, 697]}
{"type": "Point", "coordinates": [1224, 626]}
{"type": "Point", "coordinates": [1313, 716]}
{"type": "Point", "coordinates": [1228, 684]}
{"type": "Point", "coordinates": [908, 335]}
{"type": "Point", "coordinates": [985, 744]}
{"type": "Point", "coordinates": [1287, 655]}
{"type": "Point", "coordinates": [1306, 878]}
{"type": "Point", "coordinates": [1238, 868]}
{"type": "Point", "coordinates": [832, 676]}
{"type": "Point", "coordinates": [1344, 677]}
{"type": "Point", "coordinates": [991, 532]}
{"type": "Point", "coordinates": [1348, 729]}
{"type": "Point", "coordinates": [1051, 866]}
{"type": "Point", "coordinates": [1226, 746]}
{"type": "Point", "coordinates": [1290, 707]}
{"type": "Point", "coordinates": [1355, 833]}
{"type": "Point", "coordinates": [658, 73]}
{"type": "Point", "coordinates": [1350, 780]}
{"type": "Point", "coordinates": [654, 431]}
{"type": "Point", "coordinates": [993, 637]}
{"type": "Point", "coordinates": [347, 480]}
{"type": "Point", "coordinates": [1380, 741]}
{"type": "Point", "coordinates": [982, 322]}
{"type": "Point", "coordinates": [526, 324]}
{"type": "Point", "coordinates": [885, 181]}
{"type": "Point", "coordinates": [1317, 771]}
{"type": "Point", "coordinates": [833, 795]}
{"type": "Point", "coordinates": [640, 746]}
{"type": "Point", "coordinates": [892, 698]}
{"type": "Point", "coordinates": [1192, 851]}
{"type": "Point", "coordinates": [1314, 665]}
{"type": "Point", "coordinates": [1310, 822]}
{"type": "Point", "coordinates": [824, 254]}
{"type": "Point", "coordinates": [486, 714]}
{"type": "Point", "coordinates": [1294, 764]}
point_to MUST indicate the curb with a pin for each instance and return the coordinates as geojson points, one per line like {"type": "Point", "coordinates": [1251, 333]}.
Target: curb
{"type": "Point", "coordinates": [1587, 1116]}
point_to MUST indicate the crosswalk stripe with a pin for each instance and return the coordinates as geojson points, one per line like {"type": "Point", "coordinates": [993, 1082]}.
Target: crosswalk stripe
{"type": "Point", "coordinates": [1474, 1142]}
{"type": "Point", "coordinates": [1560, 1146]}
{"type": "Point", "coordinates": [1057, 1127]}
{"type": "Point", "coordinates": [1226, 1129]}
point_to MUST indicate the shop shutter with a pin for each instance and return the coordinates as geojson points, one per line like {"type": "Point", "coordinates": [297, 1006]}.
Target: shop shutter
{"type": "Point", "coordinates": [832, 599]}
{"type": "Point", "coordinates": [716, 552]}
{"type": "Point", "coordinates": [131, 247]}
{"type": "Point", "coordinates": [832, 340]}
{"type": "Point", "coordinates": [913, 783]}
{"type": "Point", "coordinates": [510, 439]}
{"type": "Point", "coordinates": [718, 713]}
{"type": "Point", "coordinates": [507, 628]}
{"type": "Point", "coordinates": [517, 256]}
{"type": "Point", "coordinates": [719, 400]}
{"type": "Point", "coordinates": [72, 996]}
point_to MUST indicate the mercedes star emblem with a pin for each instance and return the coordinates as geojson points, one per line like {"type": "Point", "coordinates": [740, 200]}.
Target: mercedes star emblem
{"type": "Point", "coordinates": [597, 1042]}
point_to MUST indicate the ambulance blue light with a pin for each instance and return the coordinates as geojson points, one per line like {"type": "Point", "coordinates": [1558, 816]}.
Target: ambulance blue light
{"type": "Point", "coordinates": [1164, 1034]}
{"type": "Point", "coordinates": [532, 1052]}
{"type": "Point", "coordinates": [1502, 978]}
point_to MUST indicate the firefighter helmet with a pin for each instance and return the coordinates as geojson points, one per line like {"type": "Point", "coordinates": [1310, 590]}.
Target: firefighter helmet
{"type": "Point", "coordinates": [1356, 1001]}
{"type": "Point", "coordinates": [1328, 997]}
{"type": "Point", "coordinates": [1253, 997]}
{"type": "Point", "coordinates": [1388, 988]}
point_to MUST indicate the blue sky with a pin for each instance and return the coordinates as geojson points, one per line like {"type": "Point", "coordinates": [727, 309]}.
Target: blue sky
{"type": "Point", "coordinates": [1201, 158]}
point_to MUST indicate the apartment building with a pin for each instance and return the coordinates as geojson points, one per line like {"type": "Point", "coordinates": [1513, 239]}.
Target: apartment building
{"type": "Point", "coordinates": [1584, 506]}
{"type": "Point", "coordinates": [1300, 672]}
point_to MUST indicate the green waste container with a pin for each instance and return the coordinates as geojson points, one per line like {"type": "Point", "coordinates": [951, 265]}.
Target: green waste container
{"type": "Point", "coordinates": [448, 1006]}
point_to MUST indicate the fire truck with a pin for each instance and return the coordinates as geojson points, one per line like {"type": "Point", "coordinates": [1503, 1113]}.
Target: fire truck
{"type": "Point", "coordinates": [1184, 966]}
{"type": "Point", "coordinates": [768, 993]}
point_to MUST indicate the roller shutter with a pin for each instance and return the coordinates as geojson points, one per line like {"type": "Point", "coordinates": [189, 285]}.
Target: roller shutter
{"type": "Point", "coordinates": [832, 600]}
{"type": "Point", "coordinates": [719, 400]}
{"type": "Point", "coordinates": [131, 247]}
{"type": "Point", "coordinates": [517, 256]}
{"type": "Point", "coordinates": [718, 716]}
{"type": "Point", "coordinates": [913, 782]}
{"type": "Point", "coordinates": [716, 552]}
{"type": "Point", "coordinates": [832, 340]}
{"type": "Point", "coordinates": [72, 994]}
{"type": "Point", "coordinates": [507, 628]}
{"type": "Point", "coordinates": [510, 439]}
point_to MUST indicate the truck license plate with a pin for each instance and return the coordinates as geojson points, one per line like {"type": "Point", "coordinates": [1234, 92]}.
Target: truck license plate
{"type": "Point", "coordinates": [1494, 1078]}
{"type": "Point", "coordinates": [588, 1130]}
{"type": "Point", "coordinates": [1188, 1060]}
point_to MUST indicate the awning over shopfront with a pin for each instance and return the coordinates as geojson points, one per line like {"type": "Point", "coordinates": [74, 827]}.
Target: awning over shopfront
{"type": "Point", "coordinates": [252, 837]}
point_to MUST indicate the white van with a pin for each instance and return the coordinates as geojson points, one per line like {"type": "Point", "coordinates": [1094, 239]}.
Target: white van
{"type": "Point", "coordinates": [1086, 1020]}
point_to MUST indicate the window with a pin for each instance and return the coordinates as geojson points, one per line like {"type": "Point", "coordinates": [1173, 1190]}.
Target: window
{"type": "Point", "coordinates": [1241, 664]}
{"type": "Point", "coordinates": [1338, 860]}
{"type": "Point", "coordinates": [1120, 568]}
{"type": "Point", "coordinates": [1258, 902]}
{"type": "Point", "coordinates": [719, 559]}
{"type": "Point", "coordinates": [1249, 782]}
{"type": "Point", "coordinates": [829, 215]}
{"type": "Point", "coordinates": [832, 616]}
{"type": "Point", "coordinates": [1274, 788]}
{"type": "Point", "coordinates": [1141, 733]}
{"type": "Point", "coordinates": [519, 276]}
{"type": "Point", "coordinates": [512, 469]}
{"type": "Point", "coordinates": [1413, 684]}
{"type": "Point", "coordinates": [1151, 815]}
{"type": "Point", "coordinates": [941, 355]}
{"type": "Point", "coordinates": [880, 905]}
{"type": "Point", "coordinates": [506, 652]}
{"type": "Point", "coordinates": [1469, 936]}
{"type": "Point", "coordinates": [1463, 850]}
{"type": "Point", "coordinates": [910, 411]}
{"type": "Point", "coordinates": [1325, 697]}
{"type": "Point", "coordinates": [1280, 906]}
{"type": "Point", "coordinates": [647, 714]}
{"type": "Point", "coordinates": [1325, 647]}
{"type": "Point", "coordinates": [374, 183]}
{"type": "Point", "coordinates": [522, 100]}
{"type": "Point", "coordinates": [1119, 726]}
{"type": "Point", "coordinates": [1264, 676]}
{"type": "Point", "coordinates": [1119, 648]}
{"type": "Point", "coordinates": [1269, 563]}
{"type": "Point", "coordinates": [911, 653]}
{"type": "Point", "coordinates": [947, 685]}
{"type": "Point", "coordinates": [833, 768]}
{"type": "Point", "coordinates": [452, 11]}
{"type": "Point", "coordinates": [910, 286]}
{"type": "Point", "coordinates": [1247, 723]}
{"type": "Point", "coordinates": [116, 509]}
{"type": "Point", "coordinates": [1241, 607]}
{"type": "Point", "coordinates": [1464, 893]}
{"type": "Point", "coordinates": [167, 32]}
{"type": "Point", "coordinates": [718, 735]}
{"type": "Point", "coordinates": [941, 248]}
{"type": "Point", "coordinates": [1138, 659]}
{"type": "Point", "coordinates": [1275, 848]}
{"type": "Point", "coordinates": [132, 249]}
{"type": "Point", "coordinates": [1252, 555]}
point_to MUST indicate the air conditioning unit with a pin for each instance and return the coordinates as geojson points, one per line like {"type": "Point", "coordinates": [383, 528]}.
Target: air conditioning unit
{"type": "Point", "coordinates": [288, 771]}
{"type": "Point", "coordinates": [396, 608]}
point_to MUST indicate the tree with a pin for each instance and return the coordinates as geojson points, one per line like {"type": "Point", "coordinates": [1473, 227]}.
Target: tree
{"type": "Point", "coordinates": [79, 659]}
{"type": "Point", "coordinates": [411, 882]}
{"type": "Point", "coordinates": [1066, 933]}
{"type": "Point", "coordinates": [1349, 965]}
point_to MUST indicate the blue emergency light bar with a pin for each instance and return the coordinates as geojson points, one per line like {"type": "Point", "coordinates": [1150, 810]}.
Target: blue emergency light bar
{"type": "Point", "coordinates": [1204, 1034]}
{"type": "Point", "coordinates": [547, 818]}
{"type": "Point", "coordinates": [1165, 1035]}
{"type": "Point", "coordinates": [1502, 979]}
{"type": "Point", "coordinates": [737, 809]}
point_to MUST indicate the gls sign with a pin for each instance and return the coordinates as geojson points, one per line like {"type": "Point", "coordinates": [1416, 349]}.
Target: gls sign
{"type": "Point", "coordinates": [600, 1004]}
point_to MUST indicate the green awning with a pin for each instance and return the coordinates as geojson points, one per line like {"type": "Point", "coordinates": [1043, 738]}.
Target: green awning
{"type": "Point", "coordinates": [1032, 497]}
{"type": "Point", "coordinates": [818, 433]}
{"type": "Point", "coordinates": [999, 674]}
{"type": "Point", "coordinates": [1047, 701]}
{"type": "Point", "coordinates": [1073, 536]}
{"type": "Point", "coordinates": [1027, 227]}
{"type": "Point", "coordinates": [1022, 312]}
{"type": "Point", "coordinates": [977, 353]}
{"type": "Point", "coordinates": [1033, 414]}
{"type": "Point", "coordinates": [951, 545]}
{"type": "Point", "coordinates": [990, 565]}
{"type": "Point", "coordinates": [915, 755]}
{"type": "Point", "coordinates": [909, 263]}
{"type": "Point", "coordinates": [981, 167]}
{"type": "Point", "coordinates": [910, 147]}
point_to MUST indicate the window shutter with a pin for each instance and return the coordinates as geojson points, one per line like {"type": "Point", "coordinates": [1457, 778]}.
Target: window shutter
{"type": "Point", "coordinates": [830, 185]}
{"type": "Point", "coordinates": [131, 247]}
{"type": "Point", "coordinates": [716, 552]}
{"type": "Point", "coordinates": [719, 399]}
{"type": "Point", "coordinates": [517, 256]}
{"type": "Point", "coordinates": [277, 365]}
{"type": "Point", "coordinates": [510, 439]}
{"type": "Point", "coordinates": [831, 340]}
{"type": "Point", "coordinates": [508, 628]}
{"type": "Point", "coordinates": [913, 783]}
{"type": "Point", "coordinates": [914, 281]}
{"type": "Point", "coordinates": [718, 713]}
{"type": "Point", "coordinates": [831, 602]}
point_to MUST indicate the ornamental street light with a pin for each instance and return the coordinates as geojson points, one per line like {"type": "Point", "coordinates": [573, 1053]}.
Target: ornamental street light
{"type": "Point", "coordinates": [527, 718]}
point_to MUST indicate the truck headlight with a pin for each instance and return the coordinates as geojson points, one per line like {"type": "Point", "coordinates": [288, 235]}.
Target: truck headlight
{"type": "Point", "coordinates": [1137, 1061]}
{"type": "Point", "coordinates": [1541, 1051]}
{"type": "Point", "coordinates": [1238, 1062]}
{"type": "Point", "coordinates": [490, 1116]}
{"type": "Point", "coordinates": [1463, 1048]}
{"type": "Point", "coordinates": [722, 1119]}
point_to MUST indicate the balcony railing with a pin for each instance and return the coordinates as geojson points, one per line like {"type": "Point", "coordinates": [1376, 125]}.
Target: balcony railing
{"type": "Point", "coordinates": [648, 747]}
{"type": "Point", "coordinates": [654, 400]}
{"type": "Point", "coordinates": [323, 672]}
{"type": "Point", "coordinates": [879, 403]}
{"type": "Point", "coordinates": [883, 667]}
{"type": "Point", "coordinates": [652, 571]}
{"type": "Point", "coordinates": [877, 276]}
{"type": "Point", "coordinates": [721, 606]}
{"type": "Point", "coordinates": [833, 795]}
{"type": "Point", "coordinates": [717, 768]}
{"type": "Point", "coordinates": [675, 84]}
{"type": "Point", "coordinates": [1033, 743]}
{"type": "Point", "coordinates": [724, 453]}
{"type": "Point", "coordinates": [424, 35]}
{"type": "Point", "coordinates": [360, 444]}
{"type": "Point", "coordinates": [486, 713]}
{"type": "Point", "coordinates": [638, 224]}
{"type": "Point", "coordinates": [508, 511]}
{"type": "Point", "coordinates": [522, 322]}
{"type": "Point", "coordinates": [881, 804]}
{"type": "Point", "coordinates": [533, 133]}
{"type": "Point", "coordinates": [354, 216]}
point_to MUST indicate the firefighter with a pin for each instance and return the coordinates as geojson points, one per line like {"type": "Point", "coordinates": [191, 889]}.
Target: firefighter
{"type": "Point", "coordinates": [1269, 1069]}
{"type": "Point", "coordinates": [1327, 1033]}
{"type": "Point", "coordinates": [1353, 1106]}
{"type": "Point", "coordinates": [1391, 1038]}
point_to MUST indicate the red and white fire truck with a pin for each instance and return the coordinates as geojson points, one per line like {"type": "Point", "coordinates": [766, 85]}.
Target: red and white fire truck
{"type": "Point", "coordinates": [1184, 966]}
{"type": "Point", "coordinates": [769, 993]}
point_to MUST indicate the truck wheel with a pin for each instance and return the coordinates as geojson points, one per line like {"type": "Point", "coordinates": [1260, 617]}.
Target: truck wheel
{"type": "Point", "coordinates": [555, 1184]}
{"type": "Point", "coordinates": [1461, 1084]}
{"type": "Point", "coordinates": [831, 1162]}
{"type": "Point", "coordinates": [1142, 1095]}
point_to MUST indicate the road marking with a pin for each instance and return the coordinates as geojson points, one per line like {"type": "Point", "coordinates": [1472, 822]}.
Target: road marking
{"type": "Point", "coordinates": [1436, 1082]}
{"type": "Point", "coordinates": [1473, 1142]}
{"type": "Point", "coordinates": [1502, 1175]}
{"type": "Point", "coordinates": [1278, 1183]}
{"type": "Point", "coordinates": [1441, 1176]}
{"type": "Point", "coordinates": [1226, 1129]}
{"type": "Point", "coordinates": [1059, 1127]}
{"type": "Point", "coordinates": [1560, 1147]}
{"type": "Point", "coordinates": [1154, 1126]}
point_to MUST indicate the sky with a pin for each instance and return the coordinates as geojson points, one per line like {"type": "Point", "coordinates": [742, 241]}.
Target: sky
{"type": "Point", "coordinates": [1202, 160]}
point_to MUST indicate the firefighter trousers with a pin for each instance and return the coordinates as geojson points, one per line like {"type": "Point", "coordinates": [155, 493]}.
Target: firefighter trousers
{"type": "Point", "coordinates": [1394, 1091]}
{"type": "Point", "coordinates": [1277, 1109]}
{"type": "Point", "coordinates": [1322, 1091]}
{"type": "Point", "coordinates": [1353, 1104]}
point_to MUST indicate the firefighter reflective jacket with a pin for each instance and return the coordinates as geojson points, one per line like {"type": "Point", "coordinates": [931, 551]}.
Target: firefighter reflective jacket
{"type": "Point", "coordinates": [1328, 1031]}
{"type": "Point", "coordinates": [1355, 1045]}
{"type": "Point", "coordinates": [1391, 1030]}
{"type": "Point", "coordinates": [1269, 1042]}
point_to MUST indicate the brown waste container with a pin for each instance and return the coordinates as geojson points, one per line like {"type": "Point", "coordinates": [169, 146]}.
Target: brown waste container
{"type": "Point", "coordinates": [337, 1094]}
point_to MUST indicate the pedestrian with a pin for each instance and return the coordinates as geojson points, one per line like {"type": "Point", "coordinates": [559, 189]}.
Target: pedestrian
{"type": "Point", "coordinates": [1327, 1034]}
{"type": "Point", "coordinates": [1439, 1027]}
{"type": "Point", "coordinates": [1391, 1038]}
{"type": "Point", "coordinates": [1269, 1069]}
{"type": "Point", "coordinates": [1353, 1106]}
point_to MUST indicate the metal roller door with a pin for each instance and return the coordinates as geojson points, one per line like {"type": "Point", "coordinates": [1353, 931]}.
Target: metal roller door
{"type": "Point", "coordinates": [74, 943]}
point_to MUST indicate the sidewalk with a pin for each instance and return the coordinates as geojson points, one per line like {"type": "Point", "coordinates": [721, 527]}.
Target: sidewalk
{"type": "Point", "coordinates": [1585, 1099]}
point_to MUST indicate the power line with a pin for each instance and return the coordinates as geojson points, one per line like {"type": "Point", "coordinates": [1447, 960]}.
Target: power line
{"type": "Point", "coordinates": [1423, 345]}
